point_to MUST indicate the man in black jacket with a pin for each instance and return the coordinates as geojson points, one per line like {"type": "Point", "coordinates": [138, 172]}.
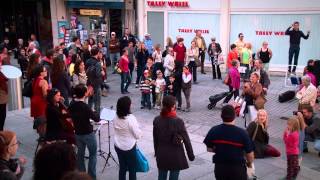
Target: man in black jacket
{"type": "Point", "coordinates": [127, 37]}
{"type": "Point", "coordinates": [81, 114]}
{"type": "Point", "coordinates": [95, 74]}
{"type": "Point", "coordinates": [295, 37]}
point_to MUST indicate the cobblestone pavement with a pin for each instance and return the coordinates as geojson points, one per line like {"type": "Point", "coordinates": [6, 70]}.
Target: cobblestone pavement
{"type": "Point", "coordinates": [198, 122]}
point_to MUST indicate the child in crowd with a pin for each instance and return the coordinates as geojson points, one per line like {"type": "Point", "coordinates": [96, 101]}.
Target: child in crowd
{"type": "Point", "coordinates": [171, 87]}
{"type": "Point", "coordinates": [146, 90]}
{"type": "Point", "coordinates": [186, 86]}
{"type": "Point", "coordinates": [291, 140]}
{"type": "Point", "coordinates": [160, 85]}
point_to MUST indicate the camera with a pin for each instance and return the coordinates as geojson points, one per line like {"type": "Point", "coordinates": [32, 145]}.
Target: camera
{"type": "Point", "coordinates": [296, 112]}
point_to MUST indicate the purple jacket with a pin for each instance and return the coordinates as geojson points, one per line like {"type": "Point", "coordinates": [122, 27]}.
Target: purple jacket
{"type": "Point", "coordinates": [235, 78]}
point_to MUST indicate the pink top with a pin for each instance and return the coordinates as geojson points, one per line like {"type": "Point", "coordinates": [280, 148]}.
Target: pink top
{"type": "Point", "coordinates": [291, 140]}
{"type": "Point", "coordinates": [312, 78]}
{"type": "Point", "coordinates": [235, 78]}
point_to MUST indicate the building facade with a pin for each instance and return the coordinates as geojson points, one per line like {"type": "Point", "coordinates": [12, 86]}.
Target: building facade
{"type": "Point", "coordinates": [258, 20]}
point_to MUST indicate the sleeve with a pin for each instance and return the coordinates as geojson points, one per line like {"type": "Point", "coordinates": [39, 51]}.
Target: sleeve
{"type": "Point", "coordinates": [291, 140]}
{"type": "Point", "coordinates": [98, 69]}
{"type": "Point", "coordinates": [266, 82]}
{"type": "Point", "coordinates": [248, 145]}
{"type": "Point", "coordinates": [314, 126]}
{"type": "Point", "coordinates": [251, 129]}
{"type": "Point", "coordinates": [207, 140]}
{"type": "Point", "coordinates": [155, 137]}
{"type": "Point", "coordinates": [258, 91]}
{"type": "Point", "coordinates": [303, 35]}
{"type": "Point", "coordinates": [219, 50]}
{"type": "Point", "coordinates": [93, 115]}
{"type": "Point", "coordinates": [134, 127]}
{"type": "Point", "coordinates": [187, 142]}
{"type": "Point", "coordinates": [288, 32]}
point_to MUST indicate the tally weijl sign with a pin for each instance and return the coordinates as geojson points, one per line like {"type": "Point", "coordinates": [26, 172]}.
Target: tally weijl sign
{"type": "Point", "coordinates": [168, 3]}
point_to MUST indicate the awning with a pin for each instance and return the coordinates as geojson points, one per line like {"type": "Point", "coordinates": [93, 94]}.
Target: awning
{"type": "Point", "coordinates": [110, 4]}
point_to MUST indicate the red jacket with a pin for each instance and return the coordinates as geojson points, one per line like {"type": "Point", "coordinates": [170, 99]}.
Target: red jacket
{"type": "Point", "coordinates": [124, 64]}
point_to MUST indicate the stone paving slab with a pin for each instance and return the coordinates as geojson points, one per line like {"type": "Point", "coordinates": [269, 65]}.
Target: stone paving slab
{"type": "Point", "coordinates": [198, 122]}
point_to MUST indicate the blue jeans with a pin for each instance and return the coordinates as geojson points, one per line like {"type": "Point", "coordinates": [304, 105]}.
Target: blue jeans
{"type": "Point", "coordinates": [311, 139]}
{"type": "Point", "coordinates": [83, 141]}
{"type": "Point", "coordinates": [145, 100]}
{"type": "Point", "coordinates": [127, 161]}
{"type": "Point", "coordinates": [95, 99]}
{"type": "Point", "coordinates": [174, 174]}
{"type": "Point", "coordinates": [114, 58]}
{"type": "Point", "coordinates": [125, 81]}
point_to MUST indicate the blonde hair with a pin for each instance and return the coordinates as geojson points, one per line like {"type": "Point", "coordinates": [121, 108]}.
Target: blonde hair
{"type": "Point", "coordinates": [294, 121]}
{"type": "Point", "coordinates": [265, 124]}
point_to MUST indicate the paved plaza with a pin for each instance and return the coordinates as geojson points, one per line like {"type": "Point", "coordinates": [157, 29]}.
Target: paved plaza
{"type": "Point", "coordinates": [198, 122]}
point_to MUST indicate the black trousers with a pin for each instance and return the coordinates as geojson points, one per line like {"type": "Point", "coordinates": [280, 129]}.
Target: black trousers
{"type": "Point", "coordinates": [202, 55]}
{"type": "Point", "coordinates": [193, 70]}
{"type": "Point", "coordinates": [179, 97]}
{"type": "Point", "coordinates": [3, 115]}
{"type": "Point", "coordinates": [293, 52]}
{"type": "Point", "coordinates": [127, 162]}
{"type": "Point", "coordinates": [230, 171]}
{"type": "Point", "coordinates": [214, 68]}
{"type": "Point", "coordinates": [234, 94]}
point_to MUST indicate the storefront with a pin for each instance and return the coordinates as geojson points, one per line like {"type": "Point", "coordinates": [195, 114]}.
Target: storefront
{"type": "Point", "coordinates": [258, 20]}
{"type": "Point", "coordinates": [177, 17]}
{"type": "Point", "coordinates": [92, 19]}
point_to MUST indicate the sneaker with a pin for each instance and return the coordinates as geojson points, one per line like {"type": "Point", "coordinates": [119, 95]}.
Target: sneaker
{"type": "Point", "coordinates": [305, 150]}
{"type": "Point", "coordinates": [187, 110]}
{"type": "Point", "coordinates": [195, 82]}
{"type": "Point", "coordinates": [149, 107]}
{"type": "Point", "coordinates": [104, 94]}
{"type": "Point", "coordinates": [142, 107]}
{"type": "Point", "coordinates": [179, 108]}
{"type": "Point", "coordinates": [137, 85]}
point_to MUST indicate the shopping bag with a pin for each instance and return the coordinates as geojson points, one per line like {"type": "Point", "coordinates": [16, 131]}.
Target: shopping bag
{"type": "Point", "coordinates": [251, 172]}
{"type": "Point", "coordinates": [142, 164]}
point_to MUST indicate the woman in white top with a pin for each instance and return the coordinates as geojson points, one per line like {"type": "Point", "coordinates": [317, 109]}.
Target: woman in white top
{"type": "Point", "coordinates": [193, 56]}
{"type": "Point", "coordinates": [126, 134]}
{"type": "Point", "coordinates": [169, 63]}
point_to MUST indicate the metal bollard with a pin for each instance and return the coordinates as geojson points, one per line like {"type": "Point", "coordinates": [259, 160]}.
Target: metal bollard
{"type": "Point", "coordinates": [15, 94]}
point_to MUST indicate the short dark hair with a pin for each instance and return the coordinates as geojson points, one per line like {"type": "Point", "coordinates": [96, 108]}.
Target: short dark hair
{"type": "Point", "coordinates": [77, 67]}
{"type": "Point", "coordinates": [49, 53]}
{"type": "Point", "coordinates": [51, 95]}
{"type": "Point", "coordinates": [53, 161]}
{"type": "Point", "coordinates": [233, 46]}
{"type": "Point", "coordinates": [228, 113]}
{"type": "Point", "coordinates": [80, 91]}
{"type": "Point", "coordinates": [240, 34]}
{"type": "Point", "coordinates": [307, 107]}
{"type": "Point", "coordinates": [167, 103]}
{"type": "Point", "coordinates": [74, 39]}
{"type": "Point", "coordinates": [62, 44]}
{"type": "Point", "coordinates": [180, 39]}
{"type": "Point", "coordinates": [123, 107]}
{"type": "Point", "coordinates": [94, 50]}
{"type": "Point", "coordinates": [296, 22]}
{"type": "Point", "coordinates": [38, 70]}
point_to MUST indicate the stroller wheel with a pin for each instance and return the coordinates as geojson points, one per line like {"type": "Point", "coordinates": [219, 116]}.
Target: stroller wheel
{"type": "Point", "coordinates": [210, 106]}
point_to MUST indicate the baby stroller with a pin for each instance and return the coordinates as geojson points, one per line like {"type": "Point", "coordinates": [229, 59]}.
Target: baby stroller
{"type": "Point", "coordinates": [216, 98]}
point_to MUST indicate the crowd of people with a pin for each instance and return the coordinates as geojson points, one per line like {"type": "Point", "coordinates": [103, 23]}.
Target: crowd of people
{"type": "Point", "coordinates": [67, 83]}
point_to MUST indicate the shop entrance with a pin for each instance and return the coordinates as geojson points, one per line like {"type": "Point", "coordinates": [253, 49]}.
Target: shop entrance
{"type": "Point", "coordinates": [116, 22]}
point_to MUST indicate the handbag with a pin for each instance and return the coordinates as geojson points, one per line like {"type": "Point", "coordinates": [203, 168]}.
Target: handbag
{"type": "Point", "coordinates": [27, 88]}
{"type": "Point", "coordinates": [117, 68]}
{"type": "Point", "coordinates": [142, 164]}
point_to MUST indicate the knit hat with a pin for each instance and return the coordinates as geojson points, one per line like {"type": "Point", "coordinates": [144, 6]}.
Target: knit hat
{"type": "Point", "coordinates": [228, 113]}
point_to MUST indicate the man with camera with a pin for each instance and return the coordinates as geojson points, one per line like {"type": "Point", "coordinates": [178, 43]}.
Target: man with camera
{"type": "Point", "coordinates": [312, 131]}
